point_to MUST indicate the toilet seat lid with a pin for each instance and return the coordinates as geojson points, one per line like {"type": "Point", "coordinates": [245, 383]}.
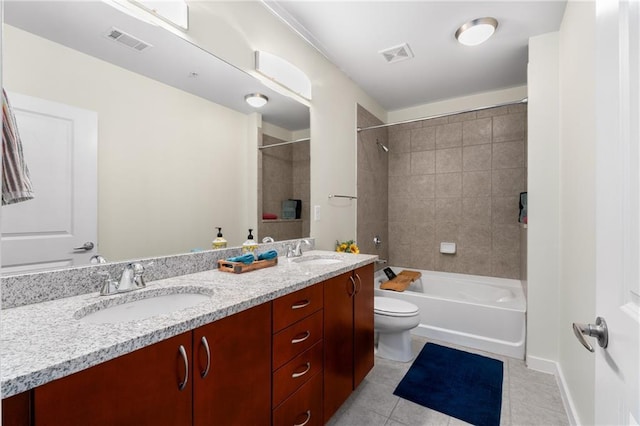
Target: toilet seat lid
{"type": "Point", "coordinates": [393, 307]}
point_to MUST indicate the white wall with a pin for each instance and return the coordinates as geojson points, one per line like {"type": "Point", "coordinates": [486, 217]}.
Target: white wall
{"type": "Point", "coordinates": [577, 200]}
{"type": "Point", "coordinates": [164, 155]}
{"type": "Point", "coordinates": [562, 203]}
{"type": "Point", "coordinates": [543, 247]}
{"type": "Point", "coordinates": [463, 103]}
{"type": "Point", "coordinates": [233, 31]}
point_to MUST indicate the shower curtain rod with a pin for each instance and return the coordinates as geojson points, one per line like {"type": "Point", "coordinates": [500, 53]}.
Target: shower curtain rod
{"type": "Point", "coordinates": [284, 143]}
{"type": "Point", "coordinates": [413, 120]}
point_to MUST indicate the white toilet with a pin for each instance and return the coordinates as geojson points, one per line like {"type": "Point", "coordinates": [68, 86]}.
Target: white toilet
{"type": "Point", "coordinates": [393, 319]}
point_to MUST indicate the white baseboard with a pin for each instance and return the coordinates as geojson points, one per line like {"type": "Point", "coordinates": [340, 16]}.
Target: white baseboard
{"type": "Point", "coordinates": [552, 367]}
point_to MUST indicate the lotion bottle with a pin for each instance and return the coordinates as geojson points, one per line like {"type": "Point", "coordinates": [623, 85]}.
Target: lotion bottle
{"type": "Point", "coordinates": [219, 242]}
{"type": "Point", "coordinates": [250, 245]}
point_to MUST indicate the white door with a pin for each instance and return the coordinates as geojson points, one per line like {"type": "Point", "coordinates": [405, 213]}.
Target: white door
{"type": "Point", "coordinates": [60, 149]}
{"type": "Point", "coordinates": [617, 212]}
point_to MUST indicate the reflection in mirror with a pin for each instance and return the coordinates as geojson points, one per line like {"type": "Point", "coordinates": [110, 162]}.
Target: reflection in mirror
{"type": "Point", "coordinates": [283, 187]}
{"type": "Point", "coordinates": [172, 129]}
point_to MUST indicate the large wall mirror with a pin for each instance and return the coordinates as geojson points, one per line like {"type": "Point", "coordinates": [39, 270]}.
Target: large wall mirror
{"type": "Point", "coordinates": [174, 138]}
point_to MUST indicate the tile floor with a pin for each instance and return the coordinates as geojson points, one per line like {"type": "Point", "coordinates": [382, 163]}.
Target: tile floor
{"type": "Point", "coordinates": [528, 398]}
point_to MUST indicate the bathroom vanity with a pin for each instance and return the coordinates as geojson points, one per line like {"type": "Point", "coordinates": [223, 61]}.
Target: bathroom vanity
{"type": "Point", "coordinates": [281, 345]}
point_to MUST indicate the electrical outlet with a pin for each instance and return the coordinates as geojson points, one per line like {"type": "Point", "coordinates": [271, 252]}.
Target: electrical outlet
{"type": "Point", "coordinates": [316, 213]}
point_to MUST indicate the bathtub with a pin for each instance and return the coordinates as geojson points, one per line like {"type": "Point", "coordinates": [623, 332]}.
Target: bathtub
{"type": "Point", "coordinates": [478, 312]}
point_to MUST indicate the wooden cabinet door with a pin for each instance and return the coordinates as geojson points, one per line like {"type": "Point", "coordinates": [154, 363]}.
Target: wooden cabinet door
{"type": "Point", "coordinates": [16, 410]}
{"type": "Point", "coordinates": [363, 324]}
{"type": "Point", "coordinates": [338, 341]}
{"type": "Point", "coordinates": [140, 388]}
{"type": "Point", "coordinates": [236, 389]}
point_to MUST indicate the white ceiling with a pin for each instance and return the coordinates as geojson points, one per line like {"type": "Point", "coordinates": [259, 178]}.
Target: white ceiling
{"type": "Point", "coordinates": [351, 33]}
{"type": "Point", "coordinates": [82, 25]}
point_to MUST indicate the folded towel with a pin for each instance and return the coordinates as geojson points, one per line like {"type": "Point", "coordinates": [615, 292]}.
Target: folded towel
{"type": "Point", "coordinates": [402, 281]}
{"type": "Point", "coordinates": [247, 259]}
{"type": "Point", "coordinates": [268, 255]}
{"type": "Point", "coordinates": [269, 216]}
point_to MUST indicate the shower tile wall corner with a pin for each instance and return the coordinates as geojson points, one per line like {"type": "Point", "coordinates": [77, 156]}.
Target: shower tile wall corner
{"type": "Point", "coordinates": [373, 186]}
{"type": "Point", "coordinates": [454, 179]}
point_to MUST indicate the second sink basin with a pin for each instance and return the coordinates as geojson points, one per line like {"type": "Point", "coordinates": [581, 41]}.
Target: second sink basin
{"type": "Point", "coordinates": [317, 260]}
{"type": "Point", "coordinates": [146, 307]}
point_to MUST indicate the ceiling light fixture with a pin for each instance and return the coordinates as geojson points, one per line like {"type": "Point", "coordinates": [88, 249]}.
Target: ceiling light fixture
{"type": "Point", "coordinates": [477, 31]}
{"type": "Point", "coordinates": [256, 100]}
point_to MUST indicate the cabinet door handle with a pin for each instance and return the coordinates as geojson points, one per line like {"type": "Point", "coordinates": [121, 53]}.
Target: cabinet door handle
{"type": "Point", "coordinates": [360, 281]}
{"type": "Point", "coordinates": [301, 304]}
{"type": "Point", "coordinates": [204, 343]}
{"type": "Point", "coordinates": [353, 286]}
{"type": "Point", "coordinates": [308, 413]}
{"type": "Point", "coordinates": [183, 384]}
{"type": "Point", "coordinates": [301, 339]}
{"type": "Point", "coordinates": [296, 375]}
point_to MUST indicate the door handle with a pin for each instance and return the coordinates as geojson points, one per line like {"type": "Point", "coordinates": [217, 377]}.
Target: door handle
{"type": "Point", "coordinates": [86, 246]}
{"type": "Point", "coordinates": [598, 330]}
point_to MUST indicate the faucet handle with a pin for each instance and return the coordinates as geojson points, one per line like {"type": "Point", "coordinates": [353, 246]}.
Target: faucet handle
{"type": "Point", "coordinates": [109, 285]}
{"type": "Point", "coordinates": [138, 271]}
{"type": "Point", "coordinates": [290, 250]}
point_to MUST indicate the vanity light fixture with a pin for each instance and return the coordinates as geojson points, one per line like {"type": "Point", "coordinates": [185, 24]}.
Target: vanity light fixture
{"type": "Point", "coordinates": [476, 31]}
{"type": "Point", "coordinates": [256, 100]}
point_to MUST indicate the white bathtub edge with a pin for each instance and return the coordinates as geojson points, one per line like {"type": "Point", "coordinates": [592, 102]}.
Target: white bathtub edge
{"type": "Point", "coordinates": [499, 347]}
{"type": "Point", "coordinates": [552, 367]}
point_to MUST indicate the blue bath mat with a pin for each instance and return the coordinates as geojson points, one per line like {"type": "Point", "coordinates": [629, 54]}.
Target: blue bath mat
{"type": "Point", "coordinates": [460, 384]}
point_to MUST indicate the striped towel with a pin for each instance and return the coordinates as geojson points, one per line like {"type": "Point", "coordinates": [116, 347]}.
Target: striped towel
{"type": "Point", "coordinates": [16, 183]}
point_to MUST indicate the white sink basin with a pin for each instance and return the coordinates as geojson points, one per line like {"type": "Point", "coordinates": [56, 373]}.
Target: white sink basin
{"type": "Point", "coordinates": [142, 308]}
{"type": "Point", "coordinates": [317, 260]}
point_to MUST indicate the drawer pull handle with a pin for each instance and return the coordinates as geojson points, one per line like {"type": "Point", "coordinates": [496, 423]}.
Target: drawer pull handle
{"type": "Point", "coordinates": [204, 342]}
{"type": "Point", "coordinates": [183, 384]}
{"type": "Point", "coordinates": [308, 413]}
{"type": "Point", "coordinates": [296, 375]}
{"type": "Point", "coordinates": [306, 335]}
{"type": "Point", "coordinates": [360, 281]}
{"type": "Point", "coordinates": [301, 304]}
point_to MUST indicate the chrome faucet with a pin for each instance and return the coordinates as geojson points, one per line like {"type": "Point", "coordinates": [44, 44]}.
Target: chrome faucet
{"type": "Point", "coordinates": [131, 279]}
{"type": "Point", "coordinates": [268, 240]}
{"type": "Point", "coordinates": [297, 251]}
{"type": "Point", "coordinates": [126, 279]}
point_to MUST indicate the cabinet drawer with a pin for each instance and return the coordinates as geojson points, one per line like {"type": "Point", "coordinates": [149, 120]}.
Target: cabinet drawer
{"type": "Point", "coordinates": [296, 373]}
{"type": "Point", "coordinates": [295, 306]}
{"type": "Point", "coordinates": [295, 339]}
{"type": "Point", "coordinates": [304, 407]}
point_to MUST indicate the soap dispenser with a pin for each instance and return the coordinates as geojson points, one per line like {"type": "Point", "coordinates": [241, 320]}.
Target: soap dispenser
{"type": "Point", "coordinates": [219, 242]}
{"type": "Point", "coordinates": [250, 245]}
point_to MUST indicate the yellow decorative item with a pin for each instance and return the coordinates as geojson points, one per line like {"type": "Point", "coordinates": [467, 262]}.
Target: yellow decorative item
{"type": "Point", "coordinates": [347, 247]}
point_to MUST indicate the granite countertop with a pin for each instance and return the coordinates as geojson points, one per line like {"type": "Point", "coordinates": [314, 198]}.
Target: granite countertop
{"type": "Point", "coordinates": [45, 341]}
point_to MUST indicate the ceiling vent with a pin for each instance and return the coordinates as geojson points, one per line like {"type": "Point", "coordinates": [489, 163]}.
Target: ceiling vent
{"type": "Point", "coordinates": [397, 53]}
{"type": "Point", "coordinates": [127, 40]}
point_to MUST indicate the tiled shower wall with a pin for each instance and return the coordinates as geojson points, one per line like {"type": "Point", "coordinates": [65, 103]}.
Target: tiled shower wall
{"type": "Point", "coordinates": [457, 179]}
{"type": "Point", "coordinates": [372, 184]}
{"type": "Point", "coordinates": [283, 174]}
